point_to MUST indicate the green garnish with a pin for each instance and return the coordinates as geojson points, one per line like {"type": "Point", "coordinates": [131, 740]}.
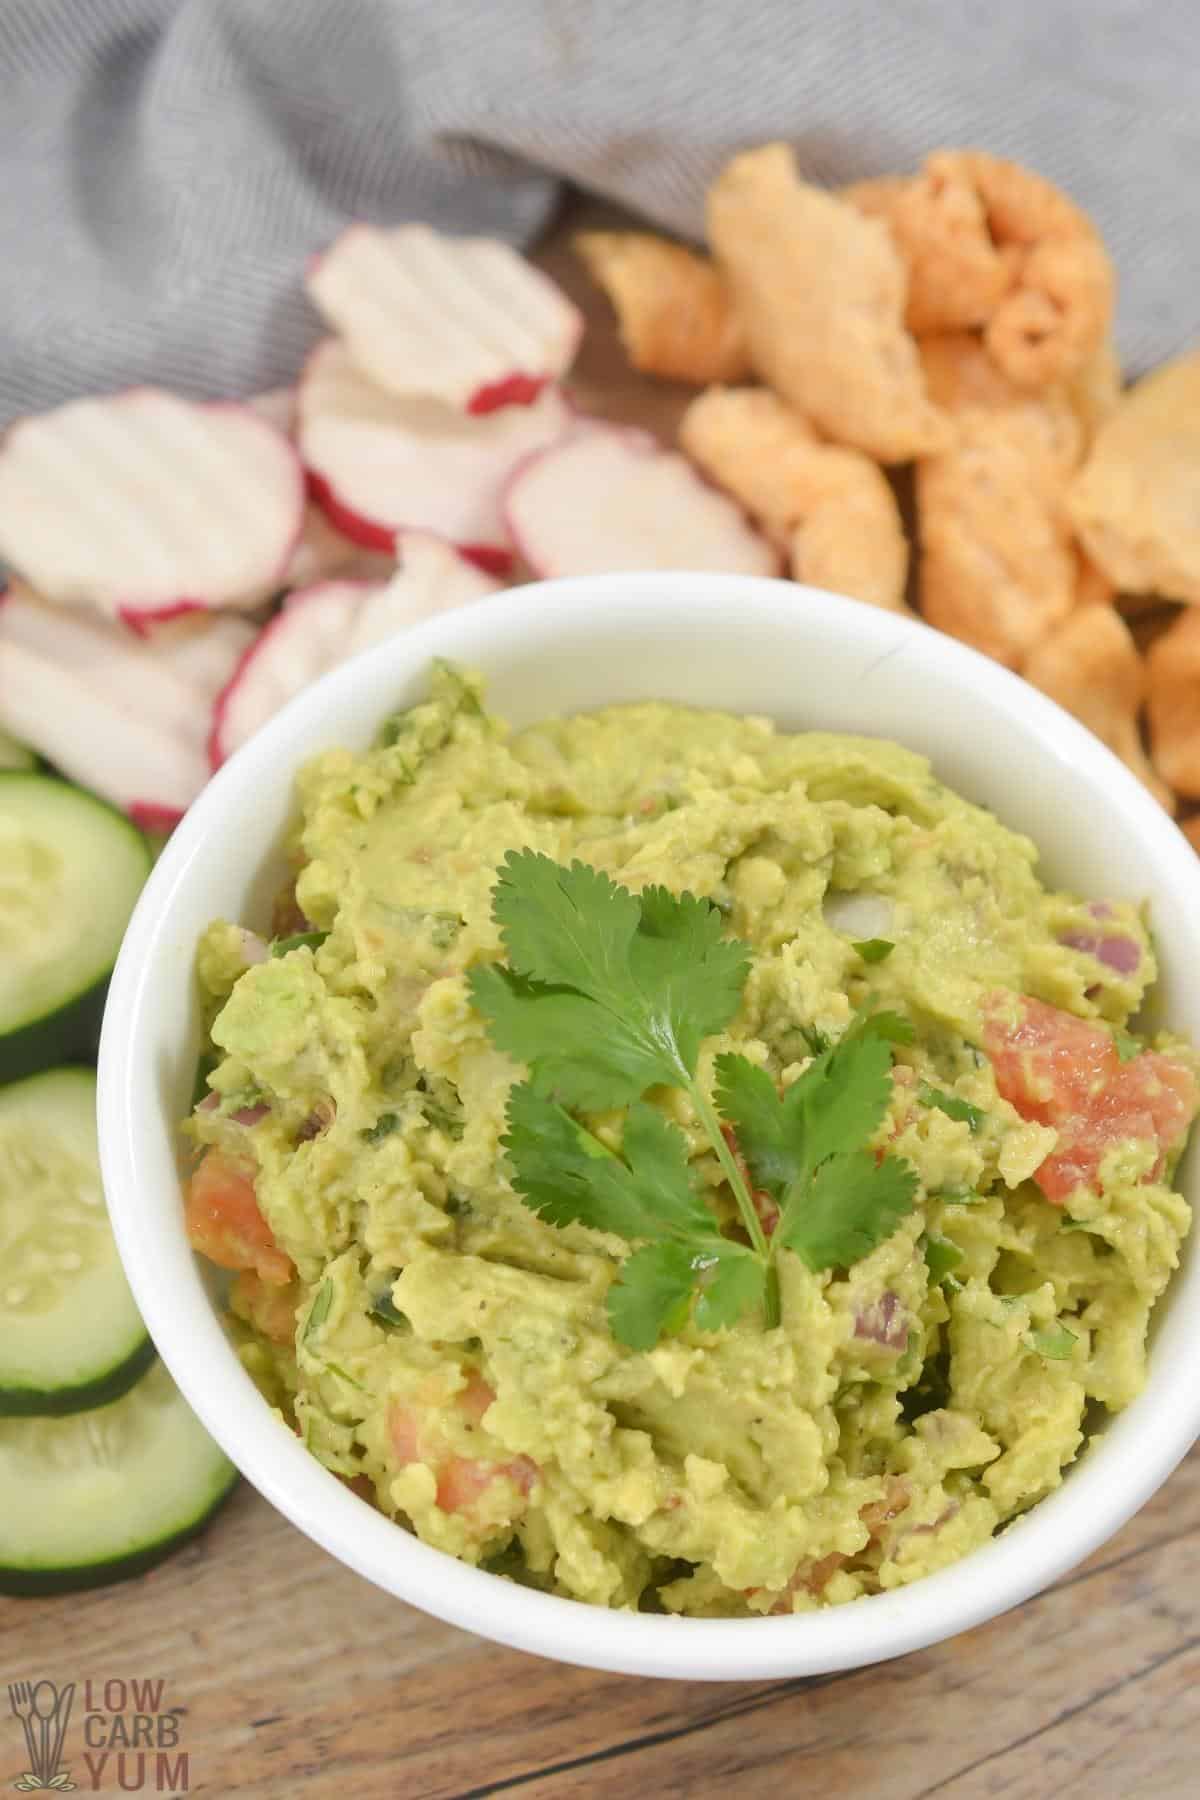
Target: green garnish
{"type": "Point", "coordinates": [1127, 1045]}
{"type": "Point", "coordinates": [608, 994]}
{"type": "Point", "coordinates": [1056, 1344]}
{"type": "Point", "coordinates": [953, 1105]}
{"type": "Point", "coordinates": [383, 1127]}
{"type": "Point", "coordinates": [874, 950]}
{"type": "Point", "coordinates": [958, 1195]}
{"type": "Point", "coordinates": [942, 1257]}
{"type": "Point", "coordinates": [815, 1039]}
{"type": "Point", "coordinates": [384, 1310]}
{"type": "Point", "coordinates": [300, 940]}
{"type": "Point", "coordinates": [318, 1312]}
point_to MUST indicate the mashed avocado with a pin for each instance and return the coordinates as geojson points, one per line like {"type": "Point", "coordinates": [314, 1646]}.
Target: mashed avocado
{"type": "Point", "coordinates": [448, 1351]}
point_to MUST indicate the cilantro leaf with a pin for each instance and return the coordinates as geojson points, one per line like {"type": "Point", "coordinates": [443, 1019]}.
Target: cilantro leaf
{"type": "Point", "coordinates": [567, 1044]}
{"type": "Point", "coordinates": [1056, 1344]}
{"type": "Point", "coordinates": [651, 1295]}
{"type": "Point", "coordinates": [845, 1092]}
{"type": "Point", "coordinates": [873, 950]}
{"type": "Point", "coordinates": [953, 1105]}
{"type": "Point", "coordinates": [942, 1256]}
{"type": "Point", "coordinates": [852, 1204]}
{"type": "Point", "coordinates": [767, 1124]}
{"type": "Point", "coordinates": [1127, 1046]}
{"type": "Point", "coordinates": [567, 1175]}
{"type": "Point", "coordinates": [804, 1146]}
{"type": "Point", "coordinates": [735, 1284]}
{"type": "Point", "coordinates": [608, 992]}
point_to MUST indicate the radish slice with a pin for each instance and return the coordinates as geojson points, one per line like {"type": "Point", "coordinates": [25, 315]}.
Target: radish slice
{"type": "Point", "coordinates": [607, 498]}
{"type": "Point", "coordinates": [322, 626]}
{"type": "Point", "coordinates": [122, 714]}
{"type": "Point", "coordinates": [277, 406]}
{"type": "Point", "coordinates": [466, 321]}
{"type": "Point", "coordinates": [378, 465]}
{"type": "Point", "coordinates": [142, 503]}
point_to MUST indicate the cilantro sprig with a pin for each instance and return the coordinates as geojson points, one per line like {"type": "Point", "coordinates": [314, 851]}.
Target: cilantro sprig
{"type": "Point", "coordinates": [607, 994]}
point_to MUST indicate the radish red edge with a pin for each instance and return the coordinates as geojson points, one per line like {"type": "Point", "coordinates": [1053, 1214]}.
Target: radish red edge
{"type": "Point", "coordinates": [144, 622]}
{"type": "Point", "coordinates": [217, 754]}
{"type": "Point", "coordinates": [152, 818]}
{"type": "Point", "coordinates": [493, 559]}
{"type": "Point", "coordinates": [513, 390]}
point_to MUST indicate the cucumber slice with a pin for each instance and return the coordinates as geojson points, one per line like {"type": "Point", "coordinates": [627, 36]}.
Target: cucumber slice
{"type": "Point", "coordinates": [71, 869]}
{"type": "Point", "coordinates": [70, 1334]}
{"type": "Point", "coordinates": [14, 755]}
{"type": "Point", "coordinates": [105, 1494]}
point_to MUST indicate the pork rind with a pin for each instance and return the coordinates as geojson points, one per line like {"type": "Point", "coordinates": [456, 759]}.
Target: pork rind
{"type": "Point", "coordinates": [831, 509]}
{"type": "Point", "coordinates": [989, 244]}
{"type": "Point", "coordinates": [821, 292]}
{"type": "Point", "coordinates": [1095, 390]}
{"type": "Point", "coordinates": [1091, 666]}
{"type": "Point", "coordinates": [956, 274]}
{"type": "Point", "coordinates": [1136, 501]}
{"type": "Point", "coordinates": [1173, 681]}
{"type": "Point", "coordinates": [998, 566]}
{"type": "Point", "coordinates": [673, 306]}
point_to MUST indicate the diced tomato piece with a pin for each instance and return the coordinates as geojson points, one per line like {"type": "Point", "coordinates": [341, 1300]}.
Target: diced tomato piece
{"type": "Point", "coordinates": [270, 1309]}
{"type": "Point", "coordinates": [475, 1398]}
{"type": "Point", "coordinates": [404, 1429]}
{"type": "Point", "coordinates": [224, 1223]}
{"type": "Point", "coordinates": [1061, 1071]}
{"type": "Point", "coordinates": [460, 1479]}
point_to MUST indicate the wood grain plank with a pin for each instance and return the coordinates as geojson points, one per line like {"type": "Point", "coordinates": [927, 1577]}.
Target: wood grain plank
{"type": "Point", "coordinates": [295, 1676]}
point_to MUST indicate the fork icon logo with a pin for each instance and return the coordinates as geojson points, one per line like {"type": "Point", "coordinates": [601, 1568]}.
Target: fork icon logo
{"type": "Point", "coordinates": [42, 1711]}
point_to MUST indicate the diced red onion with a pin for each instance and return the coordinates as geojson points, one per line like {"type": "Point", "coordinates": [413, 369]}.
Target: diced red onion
{"type": "Point", "coordinates": [319, 1119]}
{"type": "Point", "coordinates": [249, 1115]}
{"type": "Point", "coordinates": [883, 1322]}
{"type": "Point", "coordinates": [1119, 953]}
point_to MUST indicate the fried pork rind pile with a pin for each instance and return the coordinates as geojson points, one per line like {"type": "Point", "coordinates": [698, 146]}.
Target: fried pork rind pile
{"type": "Point", "coordinates": [958, 320]}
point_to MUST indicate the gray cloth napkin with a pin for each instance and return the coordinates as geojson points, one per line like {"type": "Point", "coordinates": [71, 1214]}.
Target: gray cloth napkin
{"type": "Point", "coordinates": [167, 166]}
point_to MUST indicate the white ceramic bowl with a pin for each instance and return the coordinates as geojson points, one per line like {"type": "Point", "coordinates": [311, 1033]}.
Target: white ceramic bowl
{"type": "Point", "coordinates": [752, 646]}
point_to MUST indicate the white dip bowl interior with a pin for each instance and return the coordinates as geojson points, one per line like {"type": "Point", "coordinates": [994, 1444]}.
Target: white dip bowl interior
{"type": "Point", "coordinates": [808, 661]}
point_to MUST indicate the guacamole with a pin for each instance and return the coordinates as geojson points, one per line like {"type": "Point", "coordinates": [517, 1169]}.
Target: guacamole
{"type": "Point", "coordinates": [448, 1352]}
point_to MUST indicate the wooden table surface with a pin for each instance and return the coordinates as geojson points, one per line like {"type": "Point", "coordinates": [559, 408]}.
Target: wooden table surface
{"type": "Point", "coordinates": [292, 1677]}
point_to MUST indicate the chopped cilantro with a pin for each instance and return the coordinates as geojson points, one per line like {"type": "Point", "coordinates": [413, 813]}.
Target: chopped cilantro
{"type": "Point", "coordinates": [318, 1312]}
{"type": "Point", "coordinates": [942, 1257]}
{"type": "Point", "coordinates": [1127, 1045]}
{"type": "Point", "coordinates": [1056, 1344]}
{"type": "Point", "coordinates": [385, 1312]}
{"type": "Point", "coordinates": [874, 950]}
{"type": "Point", "coordinates": [383, 1127]}
{"type": "Point", "coordinates": [953, 1105]}
{"type": "Point", "coordinates": [299, 940]}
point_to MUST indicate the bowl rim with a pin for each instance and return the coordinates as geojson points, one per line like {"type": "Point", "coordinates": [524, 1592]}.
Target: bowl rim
{"type": "Point", "coordinates": [1110, 1481]}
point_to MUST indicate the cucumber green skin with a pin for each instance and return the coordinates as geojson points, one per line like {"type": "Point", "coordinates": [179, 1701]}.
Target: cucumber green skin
{"type": "Point", "coordinates": [72, 1034]}
{"type": "Point", "coordinates": [29, 1584]}
{"type": "Point", "coordinates": [55, 1403]}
